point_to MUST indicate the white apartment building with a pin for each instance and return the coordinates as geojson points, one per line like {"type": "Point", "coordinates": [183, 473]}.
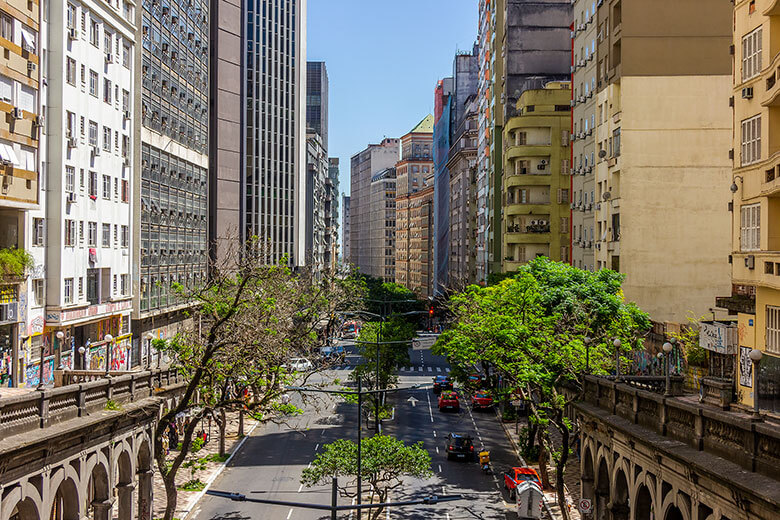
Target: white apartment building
{"type": "Point", "coordinates": [89, 186]}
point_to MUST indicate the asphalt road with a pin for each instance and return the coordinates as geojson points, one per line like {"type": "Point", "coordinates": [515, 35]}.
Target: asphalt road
{"type": "Point", "coordinates": [273, 457]}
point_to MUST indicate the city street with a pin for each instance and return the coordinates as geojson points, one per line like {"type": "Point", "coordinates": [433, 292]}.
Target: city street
{"type": "Point", "coordinates": [271, 460]}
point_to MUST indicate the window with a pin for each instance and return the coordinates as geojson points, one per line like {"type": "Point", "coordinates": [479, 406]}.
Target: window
{"type": "Point", "coordinates": [68, 290]}
{"type": "Point", "coordinates": [70, 70]}
{"type": "Point", "coordinates": [125, 191]}
{"type": "Point", "coordinates": [125, 236]}
{"type": "Point", "coordinates": [107, 90]}
{"type": "Point", "coordinates": [71, 16]}
{"type": "Point", "coordinates": [106, 139]}
{"type": "Point", "coordinates": [106, 235]}
{"type": "Point", "coordinates": [116, 235]}
{"type": "Point", "coordinates": [126, 56]}
{"type": "Point", "coordinates": [751, 140]}
{"type": "Point", "coordinates": [106, 186]}
{"type": "Point", "coordinates": [115, 284]}
{"type": "Point", "coordinates": [6, 27]}
{"type": "Point", "coordinates": [751, 54]}
{"type": "Point", "coordinates": [616, 142]}
{"type": "Point", "coordinates": [38, 232]}
{"type": "Point", "coordinates": [70, 179]}
{"type": "Point", "coordinates": [124, 285]}
{"type": "Point", "coordinates": [81, 287]}
{"type": "Point", "coordinates": [81, 232]}
{"type": "Point", "coordinates": [93, 133]}
{"type": "Point", "coordinates": [93, 83]}
{"type": "Point", "coordinates": [92, 234]}
{"type": "Point", "coordinates": [772, 329]}
{"type": "Point", "coordinates": [750, 227]}
{"type": "Point", "coordinates": [70, 232]}
{"type": "Point", "coordinates": [94, 33]}
{"type": "Point", "coordinates": [107, 39]}
{"type": "Point", "coordinates": [125, 100]}
{"type": "Point", "coordinates": [93, 185]}
{"type": "Point", "coordinates": [83, 77]}
{"type": "Point", "coordinates": [38, 293]}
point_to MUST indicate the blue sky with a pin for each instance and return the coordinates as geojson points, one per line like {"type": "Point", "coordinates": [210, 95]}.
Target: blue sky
{"type": "Point", "coordinates": [384, 58]}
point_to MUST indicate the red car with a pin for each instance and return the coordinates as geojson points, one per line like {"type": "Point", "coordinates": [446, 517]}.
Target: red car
{"type": "Point", "coordinates": [481, 400]}
{"type": "Point", "coordinates": [516, 475]}
{"type": "Point", "coordinates": [448, 400]}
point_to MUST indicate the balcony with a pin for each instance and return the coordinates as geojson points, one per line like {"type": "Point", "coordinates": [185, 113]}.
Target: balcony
{"type": "Point", "coordinates": [756, 268]}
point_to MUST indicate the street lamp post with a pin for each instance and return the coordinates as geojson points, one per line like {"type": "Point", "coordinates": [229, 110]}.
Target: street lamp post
{"type": "Point", "coordinates": [149, 337]}
{"type": "Point", "coordinates": [109, 339]}
{"type": "Point", "coordinates": [668, 350]}
{"type": "Point", "coordinates": [40, 369]}
{"type": "Point", "coordinates": [755, 356]}
{"type": "Point", "coordinates": [660, 357]}
{"type": "Point", "coordinates": [617, 344]}
{"type": "Point", "coordinates": [60, 338]}
{"type": "Point", "coordinates": [83, 357]}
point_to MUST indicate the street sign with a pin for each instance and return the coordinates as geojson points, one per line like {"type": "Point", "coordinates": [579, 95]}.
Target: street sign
{"type": "Point", "coordinates": [413, 401]}
{"type": "Point", "coordinates": [586, 506]}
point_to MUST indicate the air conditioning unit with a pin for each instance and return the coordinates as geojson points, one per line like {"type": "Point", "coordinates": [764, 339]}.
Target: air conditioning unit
{"type": "Point", "coordinates": [73, 33]}
{"type": "Point", "coordinates": [31, 66]}
{"type": "Point", "coordinates": [582, 99]}
{"type": "Point", "coordinates": [71, 142]}
{"type": "Point", "coordinates": [109, 58]}
{"type": "Point", "coordinates": [17, 113]}
{"type": "Point", "coordinates": [39, 120]}
{"type": "Point", "coordinates": [572, 69]}
{"type": "Point", "coordinates": [95, 151]}
{"type": "Point", "coordinates": [127, 114]}
{"type": "Point", "coordinates": [572, 103]}
{"type": "Point", "coordinates": [127, 161]}
{"type": "Point", "coordinates": [747, 93]}
{"type": "Point", "coordinates": [750, 261]}
{"type": "Point", "coordinates": [71, 197]}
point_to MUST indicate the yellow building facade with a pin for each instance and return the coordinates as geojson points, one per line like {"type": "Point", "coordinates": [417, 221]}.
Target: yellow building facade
{"type": "Point", "coordinates": [535, 181]}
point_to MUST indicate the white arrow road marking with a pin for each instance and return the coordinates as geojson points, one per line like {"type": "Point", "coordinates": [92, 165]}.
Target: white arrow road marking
{"type": "Point", "coordinates": [413, 401]}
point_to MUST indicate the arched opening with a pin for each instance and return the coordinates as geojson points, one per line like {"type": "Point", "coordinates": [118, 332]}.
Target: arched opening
{"type": "Point", "coordinates": [145, 474]}
{"type": "Point", "coordinates": [620, 504]}
{"type": "Point", "coordinates": [125, 486]}
{"type": "Point", "coordinates": [98, 497]}
{"type": "Point", "coordinates": [66, 502]}
{"type": "Point", "coordinates": [24, 510]}
{"type": "Point", "coordinates": [643, 506]}
{"type": "Point", "coordinates": [602, 490]}
{"type": "Point", "coordinates": [586, 475]}
{"type": "Point", "coordinates": [673, 513]}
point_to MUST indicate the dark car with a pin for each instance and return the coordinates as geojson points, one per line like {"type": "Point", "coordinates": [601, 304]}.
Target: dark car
{"type": "Point", "coordinates": [459, 447]}
{"type": "Point", "coordinates": [441, 383]}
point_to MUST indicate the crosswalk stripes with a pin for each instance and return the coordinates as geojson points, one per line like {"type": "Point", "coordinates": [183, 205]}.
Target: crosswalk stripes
{"type": "Point", "coordinates": [430, 369]}
{"type": "Point", "coordinates": [438, 369]}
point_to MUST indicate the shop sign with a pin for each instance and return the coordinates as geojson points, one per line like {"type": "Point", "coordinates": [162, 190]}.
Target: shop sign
{"type": "Point", "coordinates": [92, 310]}
{"type": "Point", "coordinates": [718, 337]}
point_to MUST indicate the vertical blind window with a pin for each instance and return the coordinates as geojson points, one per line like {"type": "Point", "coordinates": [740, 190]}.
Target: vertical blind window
{"type": "Point", "coordinates": [751, 140]}
{"type": "Point", "coordinates": [751, 54]}
{"type": "Point", "coordinates": [773, 329]}
{"type": "Point", "coordinates": [750, 227]}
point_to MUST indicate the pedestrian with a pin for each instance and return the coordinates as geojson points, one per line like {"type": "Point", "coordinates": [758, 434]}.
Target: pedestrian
{"type": "Point", "coordinates": [165, 444]}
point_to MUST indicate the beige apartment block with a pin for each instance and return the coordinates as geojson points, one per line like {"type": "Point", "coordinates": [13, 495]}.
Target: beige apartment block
{"type": "Point", "coordinates": [661, 178]}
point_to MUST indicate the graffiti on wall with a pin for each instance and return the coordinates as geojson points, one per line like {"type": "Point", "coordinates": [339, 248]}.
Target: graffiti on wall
{"type": "Point", "coordinates": [745, 367]}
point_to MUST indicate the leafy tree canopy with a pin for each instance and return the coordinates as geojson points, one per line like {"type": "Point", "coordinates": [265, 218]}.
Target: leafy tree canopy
{"type": "Point", "coordinates": [391, 356]}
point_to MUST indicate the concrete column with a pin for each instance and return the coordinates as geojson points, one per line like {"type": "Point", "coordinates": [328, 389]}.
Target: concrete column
{"type": "Point", "coordinates": [102, 509]}
{"type": "Point", "coordinates": [126, 509]}
{"type": "Point", "coordinates": [145, 496]}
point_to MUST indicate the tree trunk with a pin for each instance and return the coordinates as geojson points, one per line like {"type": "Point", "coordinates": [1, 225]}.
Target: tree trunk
{"type": "Point", "coordinates": [543, 473]}
{"type": "Point", "coordinates": [532, 432]}
{"type": "Point", "coordinates": [169, 474]}
{"type": "Point", "coordinates": [222, 428]}
{"type": "Point", "coordinates": [241, 422]}
{"type": "Point", "coordinates": [560, 467]}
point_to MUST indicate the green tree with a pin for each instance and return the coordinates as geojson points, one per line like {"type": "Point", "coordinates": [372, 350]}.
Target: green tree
{"type": "Point", "coordinates": [385, 461]}
{"type": "Point", "coordinates": [384, 298]}
{"type": "Point", "coordinates": [391, 356]}
{"type": "Point", "coordinates": [532, 329]}
{"type": "Point", "coordinates": [247, 320]}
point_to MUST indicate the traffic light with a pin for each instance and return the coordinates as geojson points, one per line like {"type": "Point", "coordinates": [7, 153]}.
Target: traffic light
{"type": "Point", "coordinates": [430, 311]}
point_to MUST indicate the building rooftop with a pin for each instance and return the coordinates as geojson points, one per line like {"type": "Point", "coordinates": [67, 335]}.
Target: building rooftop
{"type": "Point", "coordinates": [425, 126]}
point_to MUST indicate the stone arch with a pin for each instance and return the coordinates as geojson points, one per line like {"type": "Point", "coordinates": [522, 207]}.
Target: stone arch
{"type": "Point", "coordinates": [145, 476]}
{"type": "Point", "coordinates": [642, 508]}
{"type": "Point", "coordinates": [125, 470]}
{"type": "Point", "coordinates": [602, 489]}
{"type": "Point", "coordinates": [621, 505]}
{"type": "Point", "coordinates": [675, 508]}
{"type": "Point", "coordinates": [15, 503]}
{"type": "Point", "coordinates": [587, 476]}
{"type": "Point", "coordinates": [65, 503]}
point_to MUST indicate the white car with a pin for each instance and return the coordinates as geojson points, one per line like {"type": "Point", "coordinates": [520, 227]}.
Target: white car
{"type": "Point", "coordinates": [299, 364]}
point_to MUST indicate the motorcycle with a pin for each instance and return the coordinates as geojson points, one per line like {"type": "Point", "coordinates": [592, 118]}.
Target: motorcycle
{"type": "Point", "coordinates": [484, 461]}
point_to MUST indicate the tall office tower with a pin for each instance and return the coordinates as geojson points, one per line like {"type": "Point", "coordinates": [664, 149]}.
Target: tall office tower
{"type": "Point", "coordinates": [462, 166]}
{"type": "Point", "coordinates": [172, 145]}
{"type": "Point", "coordinates": [275, 180]}
{"type": "Point", "coordinates": [316, 177]}
{"type": "Point", "coordinates": [90, 182]}
{"type": "Point", "coordinates": [414, 172]}
{"type": "Point", "coordinates": [22, 224]}
{"type": "Point", "coordinates": [535, 202]}
{"type": "Point", "coordinates": [346, 217]}
{"type": "Point", "coordinates": [317, 99]}
{"type": "Point", "coordinates": [662, 174]}
{"type": "Point", "coordinates": [364, 166]}
{"type": "Point", "coordinates": [465, 69]}
{"type": "Point", "coordinates": [582, 156]}
{"type": "Point", "coordinates": [226, 128]}
{"type": "Point", "coordinates": [380, 245]}
{"type": "Point", "coordinates": [332, 214]}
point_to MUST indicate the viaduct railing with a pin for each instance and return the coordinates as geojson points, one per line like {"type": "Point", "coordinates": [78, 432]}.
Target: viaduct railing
{"type": "Point", "coordinates": [47, 407]}
{"type": "Point", "coordinates": [754, 445]}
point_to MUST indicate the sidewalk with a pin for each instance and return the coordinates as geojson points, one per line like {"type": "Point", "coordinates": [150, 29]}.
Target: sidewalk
{"type": "Point", "coordinates": [571, 476]}
{"type": "Point", "coordinates": [188, 499]}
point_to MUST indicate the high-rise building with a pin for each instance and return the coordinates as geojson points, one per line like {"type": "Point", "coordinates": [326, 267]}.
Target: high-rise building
{"type": "Point", "coordinates": [462, 166]}
{"type": "Point", "coordinates": [275, 127]}
{"type": "Point", "coordinates": [346, 217]}
{"type": "Point", "coordinates": [317, 99]}
{"type": "Point", "coordinates": [535, 202]}
{"type": "Point", "coordinates": [755, 203]}
{"type": "Point", "coordinates": [332, 214]}
{"type": "Point", "coordinates": [364, 166]}
{"type": "Point", "coordinates": [414, 172]}
{"type": "Point", "coordinates": [582, 157]}
{"type": "Point", "coordinates": [316, 178]}
{"type": "Point", "coordinates": [91, 183]}
{"type": "Point", "coordinates": [420, 230]}
{"type": "Point", "coordinates": [22, 219]}
{"type": "Point", "coordinates": [380, 244]}
{"type": "Point", "coordinates": [172, 143]}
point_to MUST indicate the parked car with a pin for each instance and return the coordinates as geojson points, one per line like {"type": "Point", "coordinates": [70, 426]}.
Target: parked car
{"type": "Point", "coordinates": [481, 400]}
{"type": "Point", "coordinates": [520, 474]}
{"type": "Point", "coordinates": [441, 383]}
{"type": "Point", "coordinates": [350, 330]}
{"type": "Point", "coordinates": [475, 381]}
{"type": "Point", "coordinates": [299, 365]}
{"type": "Point", "coordinates": [459, 447]}
{"type": "Point", "coordinates": [448, 400]}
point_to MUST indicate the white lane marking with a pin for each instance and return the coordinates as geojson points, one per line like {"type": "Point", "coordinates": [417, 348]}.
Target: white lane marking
{"type": "Point", "coordinates": [430, 410]}
{"type": "Point", "coordinates": [317, 447]}
{"type": "Point", "coordinates": [352, 511]}
{"type": "Point", "coordinates": [437, 451]}
{"type": "Point", "coordinates": [434, 433]}
{"type": "Point", "coordinates": [289, 514]}
{"type": "Point", "coordinates": [448, 516]}
{"type": "Point", "coordinates": [438, 369]}
{"type": "Point", "coordinates": [300, 488]}
{"type": "Point", "coordinates": [439, 468]}
{"type": "Point", "coordinates": [443, 491]}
